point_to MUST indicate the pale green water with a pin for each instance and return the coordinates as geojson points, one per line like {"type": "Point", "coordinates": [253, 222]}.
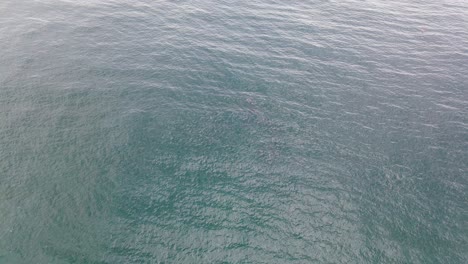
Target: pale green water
{"type": "Point", "coordinates": [255, 131]}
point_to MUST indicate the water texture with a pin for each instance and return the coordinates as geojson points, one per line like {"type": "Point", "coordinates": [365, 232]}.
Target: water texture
{"type": "Point", "coordinates": [249, 131]}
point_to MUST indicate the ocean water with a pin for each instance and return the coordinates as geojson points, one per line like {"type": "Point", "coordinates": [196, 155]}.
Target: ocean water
{"type": "Point", "coordinates": [216, 131]}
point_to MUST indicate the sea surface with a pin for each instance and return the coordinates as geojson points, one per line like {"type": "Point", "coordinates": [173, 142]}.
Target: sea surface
{"type": "Point", "coordinates": [221, 131]}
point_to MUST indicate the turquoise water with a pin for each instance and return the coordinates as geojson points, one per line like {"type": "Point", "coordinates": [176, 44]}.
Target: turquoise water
{"type": "Point", "coordinates": [258, 131]}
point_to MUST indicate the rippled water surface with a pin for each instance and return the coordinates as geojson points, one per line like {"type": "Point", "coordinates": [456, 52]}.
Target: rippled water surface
{"type": "Point", "coordinates": [250, 131]}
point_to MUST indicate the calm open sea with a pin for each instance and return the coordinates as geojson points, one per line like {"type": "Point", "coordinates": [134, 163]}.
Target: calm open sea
{"type": "Point", "coordinates": [221, 131]}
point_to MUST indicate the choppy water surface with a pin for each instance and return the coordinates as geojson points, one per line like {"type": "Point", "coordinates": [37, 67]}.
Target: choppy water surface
{"type": "Point", "coordinates": [215, 131]}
